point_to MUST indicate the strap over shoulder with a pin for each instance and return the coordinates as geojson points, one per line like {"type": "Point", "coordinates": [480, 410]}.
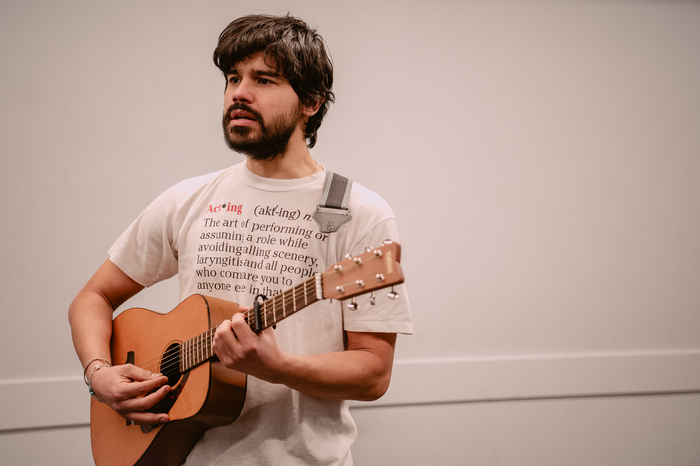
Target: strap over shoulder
{"type": "Point", "coordinates": [333, 210]}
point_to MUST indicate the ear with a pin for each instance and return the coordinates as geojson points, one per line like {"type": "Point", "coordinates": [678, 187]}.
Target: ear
{"type": "Point", "coordinates": [310, 109]}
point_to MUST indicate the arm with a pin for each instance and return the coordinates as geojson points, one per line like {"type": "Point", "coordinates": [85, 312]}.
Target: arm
{"type": "Point", "coordinates": [362, 372]}
{"type": "Point", "coordinates": [90, 317]}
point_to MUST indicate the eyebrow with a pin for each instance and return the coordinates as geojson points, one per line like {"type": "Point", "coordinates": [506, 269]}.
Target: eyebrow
{"type": "Point", "coordinates": [271, 74]}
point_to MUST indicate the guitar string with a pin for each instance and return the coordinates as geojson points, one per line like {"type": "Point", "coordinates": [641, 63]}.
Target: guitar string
{"type": "Point", "coordinates": [249, 315]}
{"type": "Point", "coordinates": [207, 338]}
{"type": "Point", "coordinates": [288, 296]}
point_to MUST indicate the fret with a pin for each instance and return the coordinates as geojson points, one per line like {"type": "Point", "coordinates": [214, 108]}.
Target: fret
{"type": "Point", "coordinates": [199, 348]}
{"type": "Point", "coordinates": [207, 355]}
{"type": "Point", "coordinates": [211, 340]}
{"type": "Point", "coordinates": [192, 353]}
{"type": "Point", "coordinates": [195, 358]}
{"type": "Point", "coordinates": [189, 353]}
{"type": "Point", "coordinates": [181, 362]}
{"type": "Point", "coordinates": [185, 351]}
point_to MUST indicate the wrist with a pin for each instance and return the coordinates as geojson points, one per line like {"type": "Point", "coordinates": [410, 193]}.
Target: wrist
{"type": "Point", "coordinates": [286, 369]}
{"type": "Point", "coordinates": [91, 366]}
{"type": "Point", "coordinates": [100, 363]}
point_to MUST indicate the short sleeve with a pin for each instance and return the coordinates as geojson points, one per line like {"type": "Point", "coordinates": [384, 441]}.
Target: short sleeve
{"type": "Point", "coordinates": [145, 250]}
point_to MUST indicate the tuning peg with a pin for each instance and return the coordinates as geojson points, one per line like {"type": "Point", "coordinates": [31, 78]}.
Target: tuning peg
{"type": "Point", "coordinates": [392, 294]}
{"type": "Point", "coordinates": [372, 299]}
{"type": "Point", "coordinates": [352, 305]}
{"type": "Point", "coordinates": [348, 256]}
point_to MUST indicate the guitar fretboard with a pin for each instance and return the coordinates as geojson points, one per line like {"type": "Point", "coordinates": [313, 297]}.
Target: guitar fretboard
{"type": "Point", "coordinates": [197, 350]}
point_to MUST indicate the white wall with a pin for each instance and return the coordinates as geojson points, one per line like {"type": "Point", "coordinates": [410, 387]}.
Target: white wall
{"type": "Point", "coordinates": [542, 159]}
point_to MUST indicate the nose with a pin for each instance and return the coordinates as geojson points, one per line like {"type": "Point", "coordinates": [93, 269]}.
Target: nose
{"type": "Point", "coordinates": [241, 91]}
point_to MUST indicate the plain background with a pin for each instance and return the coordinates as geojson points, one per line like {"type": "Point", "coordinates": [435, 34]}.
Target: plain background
{"type": "Point", "coordinates": [542, 158]}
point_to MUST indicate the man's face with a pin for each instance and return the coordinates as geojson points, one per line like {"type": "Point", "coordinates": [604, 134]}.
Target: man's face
{"type": "Point", "coordinates": [262, 111]}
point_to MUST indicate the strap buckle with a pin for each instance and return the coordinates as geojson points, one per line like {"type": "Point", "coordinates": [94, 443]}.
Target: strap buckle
{"type": "Point", "coordinates": [330, 220]}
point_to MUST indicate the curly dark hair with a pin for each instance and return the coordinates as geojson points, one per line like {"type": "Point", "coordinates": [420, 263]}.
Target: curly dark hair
{"type": "Point", "coordinates": [290, 46]}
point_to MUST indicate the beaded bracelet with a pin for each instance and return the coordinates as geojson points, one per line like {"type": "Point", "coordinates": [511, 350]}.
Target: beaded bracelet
{"type": "Point", "coordinates": [89, 380]}
{"type": "Point", "coordinates": [87, 366]}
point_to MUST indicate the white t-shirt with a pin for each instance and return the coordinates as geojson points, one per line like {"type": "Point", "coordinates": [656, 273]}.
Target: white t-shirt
{"type": "Point", "coordinates": [232, 235]}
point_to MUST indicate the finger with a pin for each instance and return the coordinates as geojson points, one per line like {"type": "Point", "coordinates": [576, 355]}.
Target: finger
{"type": "Point", "coordinates": [139, 373]}
{"type": "Point", "coordinates": [238, 317]}
{"type": "Point", "coordinates": [140, 389]}
{"type": "Point", "coordinates": [240, 328]}
{"type": "Point", "coordinates": [142, 403]}
{"type": "Point", "coordinates": [129, 388]}
{"type": "Point", "coordinates": [144, 417]}
{"type": "Point", "coordinates": [224, 334]}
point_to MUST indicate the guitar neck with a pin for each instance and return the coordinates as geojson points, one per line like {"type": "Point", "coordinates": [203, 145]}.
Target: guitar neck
{"type": "Point", "coordinates": [197, 350]}
{"type": "Point", "coordinates": [284, 304]}
{"type": "Point", "coordinates": [375, 269]}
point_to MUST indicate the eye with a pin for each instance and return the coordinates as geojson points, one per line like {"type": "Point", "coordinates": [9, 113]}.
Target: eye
{"type": "Point", "coordinates": [264, 81]}
{"type": "Point", "coordinates": [234, 79]}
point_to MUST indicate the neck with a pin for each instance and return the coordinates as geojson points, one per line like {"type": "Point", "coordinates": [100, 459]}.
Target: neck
{"type": "Point", "coordinates": [296, 162]}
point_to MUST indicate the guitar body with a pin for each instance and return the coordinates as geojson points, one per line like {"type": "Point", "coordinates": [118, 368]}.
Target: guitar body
{"type": "Point", "coordinates": [209, 395]}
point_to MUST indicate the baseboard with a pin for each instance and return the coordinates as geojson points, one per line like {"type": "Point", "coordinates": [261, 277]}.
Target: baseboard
{"type": "Point", "coordinates": [542, 376]}
{"type": "Point", "coordinates": [53, 402]}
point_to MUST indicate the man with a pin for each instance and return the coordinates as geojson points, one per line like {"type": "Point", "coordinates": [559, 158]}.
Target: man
{"type": "Point", "coordinates": [248, 230]}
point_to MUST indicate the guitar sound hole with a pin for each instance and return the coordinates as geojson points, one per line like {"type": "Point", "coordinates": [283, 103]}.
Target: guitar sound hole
{"type": "Point", "coordinates": [170, 364]}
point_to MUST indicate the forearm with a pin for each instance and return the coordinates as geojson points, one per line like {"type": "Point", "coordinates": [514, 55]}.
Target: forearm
{"type": "Point", "coordinates": [90, 313]}
{"type": "Point", "coordinates": [128, 390]}
{"type": "Point", "coordinates": [348, 375]}
{"type": "Point", "coordinates": [90, 317]}
{"type": "Point", "coordinates": [361, 372]}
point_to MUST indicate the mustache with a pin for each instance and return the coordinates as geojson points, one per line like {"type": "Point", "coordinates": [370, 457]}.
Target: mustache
{"type": "Point", "coordinates": [245, 108]}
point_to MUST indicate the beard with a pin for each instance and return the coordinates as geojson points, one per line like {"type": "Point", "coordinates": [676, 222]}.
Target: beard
{"type": "Point", "coordinates": [271, 140]}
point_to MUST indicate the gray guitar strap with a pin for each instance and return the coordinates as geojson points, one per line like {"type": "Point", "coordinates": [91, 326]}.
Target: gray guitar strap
{"type": "Point", "coordinates": [333, 210]}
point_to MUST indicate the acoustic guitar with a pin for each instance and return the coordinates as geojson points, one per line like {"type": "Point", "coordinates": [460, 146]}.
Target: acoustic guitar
{"type": "Point", "coordinates": [204, 393]}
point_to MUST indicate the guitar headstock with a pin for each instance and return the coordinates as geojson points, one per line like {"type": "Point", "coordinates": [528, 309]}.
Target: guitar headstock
{"type": "Point", "coordinates": [373, 270]}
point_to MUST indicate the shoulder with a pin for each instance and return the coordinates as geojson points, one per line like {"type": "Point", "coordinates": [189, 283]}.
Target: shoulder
{"type": "Point", "coordinates": [192, 189]}
{"type": "Point", "coordinates": [372, 222]}
{"type": "Point", "coordinates": [368, 204]}
{"type": "Point", "coordinates": [200, 183]}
